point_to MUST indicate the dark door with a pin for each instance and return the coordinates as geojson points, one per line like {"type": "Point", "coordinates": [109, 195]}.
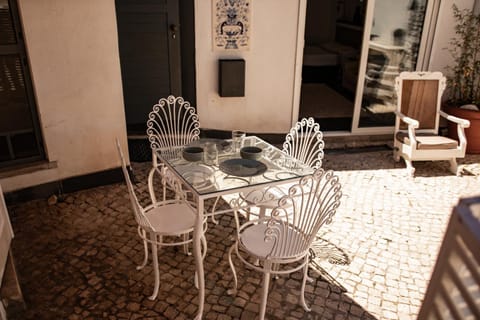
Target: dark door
{"type": "Point", "coordinates": [149, 44]}
{"type": "Point", "coordinates": [20, 137]}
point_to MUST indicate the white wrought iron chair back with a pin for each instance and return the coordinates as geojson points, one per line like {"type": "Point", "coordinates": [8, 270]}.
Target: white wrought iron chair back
{"type": "Point", "coordinates": [137, 208]}
{"type": "Point", "coordinates": [308, 205]}
{"type": "Point", "coordinates": [304, 142]}
{"type": "Point", "coordinates": [172, 124]}
{"type": "Point", "coordinates": [288, 233]}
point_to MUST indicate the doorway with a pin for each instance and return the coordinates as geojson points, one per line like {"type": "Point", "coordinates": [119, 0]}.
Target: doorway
{"type": "Point", "coordinates": [155, 38]}
{"type": "Point", "coordinates": [353, 51]}
{"type": "Point", "coordinates": [331, 59]}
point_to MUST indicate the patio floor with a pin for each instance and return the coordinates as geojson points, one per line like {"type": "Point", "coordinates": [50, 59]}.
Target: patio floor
{"type": "Point", "coordinates": [76, 259]}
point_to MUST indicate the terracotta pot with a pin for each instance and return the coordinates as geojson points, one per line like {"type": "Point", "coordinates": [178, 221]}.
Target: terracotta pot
{"type": "Point", "coordinates": [472, 133]}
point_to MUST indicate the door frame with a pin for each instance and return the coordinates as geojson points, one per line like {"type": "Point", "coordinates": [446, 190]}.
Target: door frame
{"type": "Point", "coordinates": [426, 42]}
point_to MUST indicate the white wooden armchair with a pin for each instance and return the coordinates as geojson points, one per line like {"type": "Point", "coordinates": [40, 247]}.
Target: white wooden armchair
{"type": "Point", "coordinates": [417, 121]}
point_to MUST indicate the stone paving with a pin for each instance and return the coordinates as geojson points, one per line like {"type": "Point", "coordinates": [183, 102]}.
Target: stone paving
{"type": "Point", "coordinates": [76, 258]}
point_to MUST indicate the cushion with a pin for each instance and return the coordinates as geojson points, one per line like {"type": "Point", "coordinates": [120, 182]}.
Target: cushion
{"type": "Point", "coordinates": [428, 141]}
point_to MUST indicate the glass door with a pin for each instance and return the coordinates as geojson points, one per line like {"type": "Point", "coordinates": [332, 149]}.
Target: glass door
{"type": "Point", "coordinates": [394, 41]}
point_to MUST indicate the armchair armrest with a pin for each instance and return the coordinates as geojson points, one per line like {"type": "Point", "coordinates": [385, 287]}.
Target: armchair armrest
{"type": "Point", "coordinates": [410, 121]}
{"type": "Point", "coordinates": [462, 122]}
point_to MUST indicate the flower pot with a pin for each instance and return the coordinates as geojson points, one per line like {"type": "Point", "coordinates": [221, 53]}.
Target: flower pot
{"type": "Point", "coordinates": [472, 133]}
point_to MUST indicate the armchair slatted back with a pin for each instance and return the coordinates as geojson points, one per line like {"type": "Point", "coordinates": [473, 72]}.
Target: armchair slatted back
{"type": "Point", "coordinates": [304, 142]}
{"type": "Point", "coordinates": [172, 124]}
{"type": "Point", "coordinates": [308, 205]}
{"type": "Point", "coordinates": [140, 218]}
{"type": "Point", "coordinates": [419, 97]}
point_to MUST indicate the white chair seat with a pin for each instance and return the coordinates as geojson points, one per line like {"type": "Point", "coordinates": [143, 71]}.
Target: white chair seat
{"type": "Point", "coordinates": [171, 219]}
{"type": "Point", "coordinates": [428, 141]}
{"type": "Point", "coordinates": [252, 239]}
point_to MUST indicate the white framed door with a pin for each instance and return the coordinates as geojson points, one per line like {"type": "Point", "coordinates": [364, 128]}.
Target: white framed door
{"type": "Point", "coordinates": [397, 37]}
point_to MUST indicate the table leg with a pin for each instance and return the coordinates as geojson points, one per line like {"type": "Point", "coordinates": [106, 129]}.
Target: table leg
{"type": "Point", "coordinates": [197, 252]}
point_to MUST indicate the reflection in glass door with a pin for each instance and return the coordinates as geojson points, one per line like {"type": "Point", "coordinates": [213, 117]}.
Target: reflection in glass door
{"type": "Point", "coordinates": [394, 43]}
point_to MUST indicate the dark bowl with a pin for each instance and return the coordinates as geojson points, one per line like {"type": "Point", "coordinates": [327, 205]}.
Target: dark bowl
{"type": "Point", "coordinates": [192, 153]}
{"type": "Point", "coordinates": [252, 153]}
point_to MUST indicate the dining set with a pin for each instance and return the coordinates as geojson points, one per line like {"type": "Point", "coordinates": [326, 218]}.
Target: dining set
{"type": "Point", "coordinates": [280, 198]}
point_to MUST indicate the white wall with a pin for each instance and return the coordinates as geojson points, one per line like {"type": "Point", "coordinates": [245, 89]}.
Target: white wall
{"type": "Point", "coordinates": [270, 70]}
{"type": "Point", "coordinates": [440, 57]}
{"type": "Point", "coordinates": [73, 51]}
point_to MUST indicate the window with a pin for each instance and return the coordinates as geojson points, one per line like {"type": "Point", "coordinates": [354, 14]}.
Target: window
{"type": "Point", "coordinates": [20, 138]}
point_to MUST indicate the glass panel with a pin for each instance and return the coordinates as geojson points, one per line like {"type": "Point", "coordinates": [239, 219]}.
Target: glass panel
{"type": "Point", "coordinates": [4, 151]}
{"type": "Point", "coordinates": [232, 171]}
{"type": "Point", "coordinates": [24, 145]}
{"type": "Point", "coordinates": [394, 45]}
{"type": "Point", "coordinates": [14, 106]}
{"type": "Point", "coordinates": [7, 31]}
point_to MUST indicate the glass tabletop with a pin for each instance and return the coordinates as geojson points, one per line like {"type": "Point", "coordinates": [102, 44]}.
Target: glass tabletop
{"type": "Point", "coordinates": [228, 170]}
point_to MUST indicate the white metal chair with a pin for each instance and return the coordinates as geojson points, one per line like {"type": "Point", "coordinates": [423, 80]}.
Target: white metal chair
{"type": "Point", "coordinates": [172, 124]}
{"type": "Point", "coordinates": [279, 244]}
{"type": "Point", "coordinates": [303, 142]}
{"type": "Point", "coordinates": [165, 223]}
{"type": "Point", "coordinates": [417, 121]}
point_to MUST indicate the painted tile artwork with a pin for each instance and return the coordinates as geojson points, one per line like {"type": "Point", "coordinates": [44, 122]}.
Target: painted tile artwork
{"type": "Point", "coordinates": [231, 24]}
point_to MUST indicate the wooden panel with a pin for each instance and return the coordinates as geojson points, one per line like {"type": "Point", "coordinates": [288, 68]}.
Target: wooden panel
{"type": "Point", "coordinates": [419, 101]}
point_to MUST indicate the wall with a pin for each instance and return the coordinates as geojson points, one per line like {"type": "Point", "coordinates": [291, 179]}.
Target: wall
{"type": "Point", "coordinates": [73, 53]}
{"type": "Point", "coordinates": [270, 70]}
{"type": "Point", "coordinates": [440, 57]}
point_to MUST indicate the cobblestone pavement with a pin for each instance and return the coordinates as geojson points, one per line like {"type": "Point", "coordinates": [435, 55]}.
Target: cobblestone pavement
{"type": "Point", "coordinates": [76, 259]}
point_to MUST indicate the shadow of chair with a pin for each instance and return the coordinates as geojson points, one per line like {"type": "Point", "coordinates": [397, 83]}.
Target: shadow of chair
{"type": "Point", "coordinates": [417, 121]}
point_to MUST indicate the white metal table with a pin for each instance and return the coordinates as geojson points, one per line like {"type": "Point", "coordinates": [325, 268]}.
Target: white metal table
{"type": "Point", "coordinates": [211, 181]}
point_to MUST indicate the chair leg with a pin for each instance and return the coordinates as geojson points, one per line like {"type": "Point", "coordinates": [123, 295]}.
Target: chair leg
{"type": "Point", "coordinates": [302, 292]}
{"type": "Point", "coordinates": [410, 168]}
{"type": "Point", "coordinates": [204, 253]}
{"type": "Point", "coordinates": [204, 243]}
{"type": "Point", "coordinates": [261, 213]}
{"type": "Point", "coordinates": [232, 266]}
{"type": "Point", "coordinates": [266, 282]}
{"type": "Point", "coordinates": [155, 267]}
{"type": "Point", "coordinates": [454, 167]}
{"type": "Point", "coordinates": [145, 249]}
{"type": "Point", "coordinates": [396, 155]}
{"type": "Point", "coordinates": [185, 246]}
{"type": "Point", "coordinates": [151, 191]}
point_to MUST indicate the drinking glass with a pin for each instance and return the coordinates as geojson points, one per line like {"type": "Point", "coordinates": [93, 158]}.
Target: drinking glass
{"type": "Point", "coordinates": [210, 153]}
{"type": "Point", "coordinates": [237, 140]}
